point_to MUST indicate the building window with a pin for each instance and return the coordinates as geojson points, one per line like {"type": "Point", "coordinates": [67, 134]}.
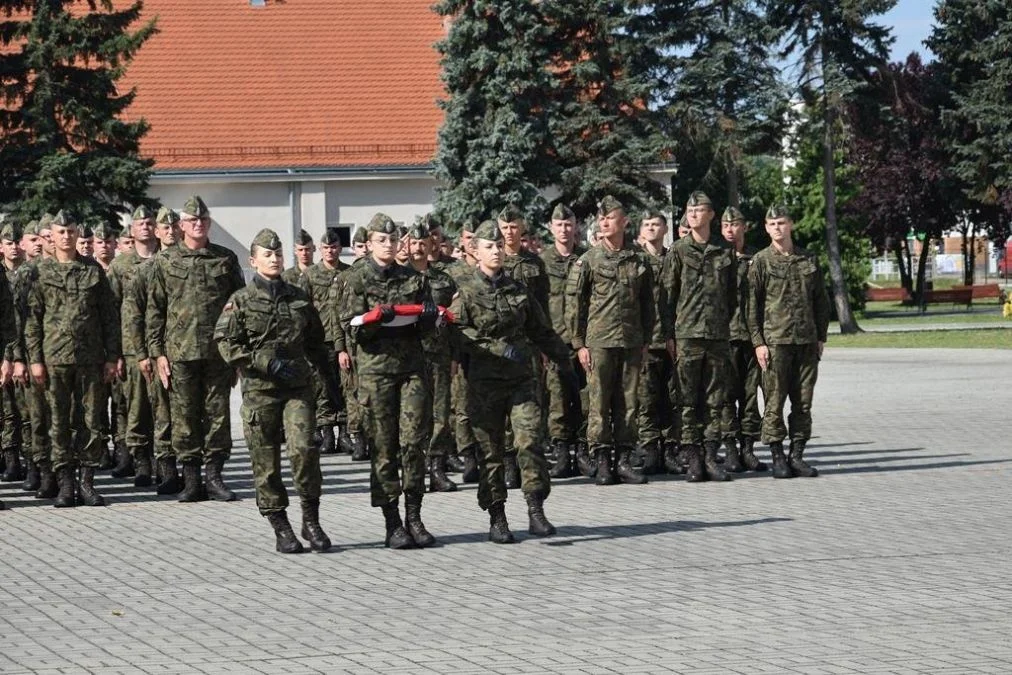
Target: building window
{"type": "Point", "coordinates": [344, 231]}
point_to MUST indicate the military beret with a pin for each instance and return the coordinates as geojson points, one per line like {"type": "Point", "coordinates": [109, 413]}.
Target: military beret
{"type": "Point", "coordinates": [431, 222]}
{"type": "Point", "coordinates": [418, 231]}
{"type": "Point", "coordinates": [45, 221]}
{"type": "Point", "coordinates": [361, 236]}
{"type": "Point", "coordinates": [488, 230]}
{"type": "Point", "coordinates": [563, 212]}
{"type": "Point", "coordinates": [304, 239]}
{"type": "Point", "coordinates": [268, 239]}
{"type": "Point", "coordinates": [64, 219]}
{"type": "Point", "coordinates": [10, 231]}
{"type": "Point", "coordinates": [195, 208]}
{"type": "Point", "coordinates": [331, 237]}
{"type": "Point", "coordinates": [699, 198]}
{"type": "Point", "coordinates": [167, 216]}
{"type": "Point", "coordinates": [382, 224]}
{"type": "Point", "coordinates": [510, 214]}
{"type": "Point", "coordinates": [609, 204]}
{"type": "Point", "coordinates": [31, 228]}
{"type": "Point", "coordinates": [732, 215]}
{"type": "Point", "coordinates": [468, 226]}
{"type": "Point", "coordinates": [104, 231]}
{"type": "Point", "coordinates": [143, 213]}
{"type": "Point", "coordinates": [86, 232]}
{"type": "Point", "coordinates": [778, 211]}
{"type": "Point", "coordinates": [651, 214]}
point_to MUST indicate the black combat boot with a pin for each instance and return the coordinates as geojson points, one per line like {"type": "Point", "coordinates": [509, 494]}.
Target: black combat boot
{"type": "Point", "coordinates": [713, 469]}
{"type": "Point", "coordinates": [560, 460]}
{"type": "Point", "coordinates": [397, 537]}
{"type": "Point", "coordinates": [67, 496]}
{"type": "Point", "coordinates": [216, 489]}
{"type": "Point", "coordinates": [328, 445]}
{"type": "Point", "coordinates": [86, 493]}
{"type": "Point", "coordinates": [625, 470]}
{"type": "Point", "coordinates": [512, 471]}
{"type": "Point", "coordinates": [733, 463]}
{"type": "Point", "coordinates": [105, 459]}
{"type": "Point", "coordinates": [585, 463]}
{"type": "Point", "coordinates": [286, 541]}
{"type": "Point", "coordinates": [360, 448]}
{"type": "Point", "coordinates": [32, 478]}
{"type": "Point", "coordinates": [47, 481]}
{"type": "Point", "coordinates": [672, 458]}
{"type": "Point", "coordinates": [193, 486]}
{"type": "Point", "coordinates": [781, 469]}
{"type": "Point", "coordinates": [170, 483]}
{"type": "Point", "coordinates": [696, 472]}
{"type": "Point", "coordinates": [454, 464]}
{"type": "Point", "coordinates": [124, 463]}
{"type": "Point", "coordinates": [605, 476]}
{"type": "Point", "coordinates": [14, 471]}
{"type": "Point", "coordinates": [142, 465]}
{"type": "Point", "coordinates": [343, 441]}
{"type": "Point", "coordinates": [499, 529]}
{"type": "Point", "coordinates": [470, 474]}
{"type": "Point", "coordinates": [538, 524]}
{"type": "Point", "coordinates": [652, 459]}
{"type": "Point", "coordinates": [311, 530]}
{"type": "Point", "coordinates": [413, 521]}
{"type": "Point", "coordinates": [748, 457]}
{"type": "Point", "coordinates": [798, 465]}
{"type": "Point", "coordinates": [438, 482]}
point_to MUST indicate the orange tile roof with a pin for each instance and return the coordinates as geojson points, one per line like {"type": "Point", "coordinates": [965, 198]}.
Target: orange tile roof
{"type": "Point", "coordinates": [298, 83]}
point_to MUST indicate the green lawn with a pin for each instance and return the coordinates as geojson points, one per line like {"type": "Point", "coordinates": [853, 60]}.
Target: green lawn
{"type": "Point", "coordinates": [964, 339]}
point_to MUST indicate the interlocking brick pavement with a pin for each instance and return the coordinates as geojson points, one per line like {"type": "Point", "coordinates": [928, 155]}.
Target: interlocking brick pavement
{"type": "Point", "coordinates": [896, 560]}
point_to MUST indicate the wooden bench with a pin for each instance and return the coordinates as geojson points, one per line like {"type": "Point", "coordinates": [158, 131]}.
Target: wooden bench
{"type": "Point", "coordinates": [956, 296]}
{"type": "Point", "coordinates": [982, 291]}
{"type": "Point", "coordinates": [888, 295]}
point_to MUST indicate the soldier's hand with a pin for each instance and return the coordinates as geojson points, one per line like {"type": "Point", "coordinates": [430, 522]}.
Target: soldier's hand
{"type": "Point", "coordinates": [762, 355]}
{"type": "Point", "coordinates": [822, 348]}
{"type": "Point", "coordinates": [6, 370]}
{"type": "Point", "coordinates": [672, 349]}
{"type": "Point", "coordinates": [121, 369]}
{"type": "Point", "coordinates": [164, 372]}
{"type": "Point", "coordinates": [281, 369]}
{"type": "Point", "coordinates": [429, 312]}
{"type": "Point", "coordinates": [387, 314]}
{"type": "Point", "coordinates": [110, 371]}
{"type": "Point", "coordinates": [584, 355]}
{"type": "Point", "coordinates": [144, 365]}
{"type": "Point", "coordinates": [20, 372]}
{"type": "Point", "coordinates": [344, 360]}
{"type": "Point", "coordinates": [514, 354]}
{"type": "Point", "coordinates": [39, 375]}
{"type": "Point", "coordinates": [454, 367]}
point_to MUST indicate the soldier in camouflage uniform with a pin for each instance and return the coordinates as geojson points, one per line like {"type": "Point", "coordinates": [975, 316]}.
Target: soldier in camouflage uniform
{"type": "Point", "coordinates": [501, 326]}
{"type": "Point", "coordinates": [139, 387]}
{"type": "Point", "coordinates": [741, 422]}
{"type": "Point", "coordinates": [437, 355]}
{"type": "Point", "coordinates": [392, 382]}
{"type": "Point", "coordinates": [564, 412]}
{"type": "Point", "coordinates": [72, 341]}
{"type": "Point", "coordinates": [701, 279]}
{"type": "Point", "coordinates": [189, 285]}
{"type": "Point", "coordinates": [354, 440]}
{"type": "Point", "coordinates": [16, 422]}
{"type": "Point", "coordinates": [658, 431]}
{"type": "Point", "coordinates": [788, 316]}
{"type": "Point", "coordinates": [114, 411]}
{"type": "Point", "coordinates": [434, 227]}
{"type": "Point", "coordinates": [304, 250]}
{"type": "Point", "coordinates": [317, 281]}
{"type": "Point", "coordinates": [270, 331]}
{"type": "Point", "coordinates": [104, 245]}
{"type": "Point", "coordinates": [613, 313]}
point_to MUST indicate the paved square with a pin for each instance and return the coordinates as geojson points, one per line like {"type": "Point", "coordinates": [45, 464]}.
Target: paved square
{"type": "Point", "coordinates": [896, 560]}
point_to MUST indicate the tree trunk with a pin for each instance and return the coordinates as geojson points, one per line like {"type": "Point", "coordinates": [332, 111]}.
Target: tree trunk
{"type": "Point", "coordinates": [922, 266]}
{"type": "Point", "coordinates": [903, 264]}
{"type": "Point", "coordinates": [971, 268]}
{"type": "Point", "coordinates": [964, 248]}
{"type": "Point", "coordinates": [848, 323]}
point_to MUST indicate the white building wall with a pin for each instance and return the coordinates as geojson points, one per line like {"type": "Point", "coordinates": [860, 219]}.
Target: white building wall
{"type": "Point", "coordinates": [355, 202]}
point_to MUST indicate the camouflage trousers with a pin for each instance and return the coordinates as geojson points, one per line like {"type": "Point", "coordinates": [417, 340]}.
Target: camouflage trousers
{"type": "Point", "coordinates": [67, 388]}
{"type": "Point", "coordinates": [41, 421]}
{"type": "Point", "coordinates": [462, 430]}
{"type": "Point", "coordinates": [353, 415]}
{"type": "Point", "coordinates": [613, 382]}
{"type": "Point", "coordinates": [702, 368]}
{"type": "Point", "coordinates": [147, 414]}
{"type": "Point", "coordinates": [265, 415]}
{"type": "Point", "coordinates": [399, 422]}
{"type": "Point", "coordinates": [490, 404]}
{"type": "Point", "coordinates": [657, 419]}
{"type": "Point", "coordinates": [741, 409]}
{"type": "Point", "coordinates": [199, 408]}
{"type": "Point", "coordinates": [17, 424]}
{"type": "Point", "coordinates": [441, 441]}
{"type": "Point", "coordinates": [564, 416]}
{"type": "Point", "coordinates": [326, 385]}
{"type": "Point", "coordinates": [791, 374]}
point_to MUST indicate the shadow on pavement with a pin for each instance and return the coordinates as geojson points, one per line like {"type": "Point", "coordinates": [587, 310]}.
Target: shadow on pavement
{"type": "Point", "coordinates": [873, 468]}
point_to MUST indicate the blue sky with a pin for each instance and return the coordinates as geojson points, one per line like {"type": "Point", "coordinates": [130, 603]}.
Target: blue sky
{"type": "Point", "coordinates": [911, 21]}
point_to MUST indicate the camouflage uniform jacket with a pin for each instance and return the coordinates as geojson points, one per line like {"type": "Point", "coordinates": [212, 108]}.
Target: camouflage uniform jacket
{"type": "Point", "coordinates": [72, 316]}
{"type": "Point", "coordinates": [317, 281]}
{"type": "Point", "coordinates": [186, 291]}
{"type": "Point", "coordinates": [459, 270]}
{"type": "Point", "coordinates": [787, 304]}
{"type": "Point", "coordinates": [122, 278]}
{"type": "Point", "coordinates": [14, 351]}
{"type": "Point", "coordinates": [701, 283]}
{"type": "Point", "coordinates": [612, 299]}
{"type": "Point", "coordinates": [529, 270]}
{"type": "Point", "coordinates": [330, 313]}
{"type": "Point", "coordinates": [658, 336]}
{"type": "Point", "coordinates": [491, 314]}
{"type": "Point", "coordinates": [268, 320]}
{"type": "Point", "coordinates": [23, 279]}
{"type": "Point", "coordinates": [383, 350]}
{"type": "Point", "coordinates": [442, 286]}
{"type": "Point", "coordinates": [295, 275]}
{"type": "Point", "coordinates": [739, 320]}
{"type": "Point", "coordinates": [558, 268]}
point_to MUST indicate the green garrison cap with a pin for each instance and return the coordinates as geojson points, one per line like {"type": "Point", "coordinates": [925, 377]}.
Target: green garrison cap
{"type": "Point", "coordinates": [10, 231]}
{"type": "Point", "coordinates": [331, 237]}
{"type": "Point", "coordinates": [732, 215]}
{"type": "Point", "coordinates": [64, 219]}
{"type": "Point", "coordinates": [381, 223]}
{"type": "Point", "coordinates": [510, 214]}
{"type": "Point", "coordinates": [778, 211]}
{"type": "Point", "coordinates": [699, 198]}
{"type": "Point", "coordinates": [167, 216]}
{"type": "Point", "coordinates": [104, 231]}
{"type": "Point", "coordinates": [32, 228]}
{"type": "Point", "coordinates": [431, 222]}
{"type": "Point", "coordinates": [418, 231]}
{"type": "Point", "coordinates": [488, 230]}
{"type": "Point", "coordinates": [45, 221]}
{"type": "Point", "coordinates": [86, 232]}
{"type": "Point", "coordinates": [304, 239]}
{"type": "Point", "coordinates": [268, 239]}
{"type": "Point", "coordinates": [609, 204]}
{"type": "Point", "coordinates": [361, 236]}
{"type": "Point", "coordinates": [143, 213]}
{"type": "Point", "coordinates": [195, 208]}
{"type": "Point", "coordinates": [468, 226]}
{"type": "Point", "coordinates": [563, 212]}
{"type": "Point", "coordinates": [650, 214]}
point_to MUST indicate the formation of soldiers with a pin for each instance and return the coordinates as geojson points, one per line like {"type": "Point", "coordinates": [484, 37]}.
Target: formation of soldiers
{"type": "Point", "coordinates": [617, 361]}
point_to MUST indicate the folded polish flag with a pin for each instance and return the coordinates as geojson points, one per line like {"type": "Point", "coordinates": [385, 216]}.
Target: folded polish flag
{"type": "Point", "coordinates": [405, 316]}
